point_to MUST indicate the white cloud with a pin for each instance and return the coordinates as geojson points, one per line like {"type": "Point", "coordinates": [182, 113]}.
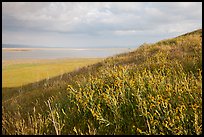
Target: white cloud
{"type": "Point", "coordinates": [98, 19]}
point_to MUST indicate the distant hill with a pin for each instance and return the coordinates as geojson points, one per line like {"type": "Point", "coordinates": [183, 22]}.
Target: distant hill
{"type": "Point", "coordinates": [155, 89]}
{"type": "Point", "coordinates": [20, 46]}
{"type": "Point", "coordinates": [37, 46]}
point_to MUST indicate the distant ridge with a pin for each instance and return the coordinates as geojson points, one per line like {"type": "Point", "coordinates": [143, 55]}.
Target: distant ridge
{"type": "Point", "coordinates": [39, 46]}
{"type": "Point", "coordinates": [21, 46]}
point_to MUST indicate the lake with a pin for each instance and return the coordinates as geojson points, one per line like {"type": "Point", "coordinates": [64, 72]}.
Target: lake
{"type": "Point", "coordinates": [55, 53]}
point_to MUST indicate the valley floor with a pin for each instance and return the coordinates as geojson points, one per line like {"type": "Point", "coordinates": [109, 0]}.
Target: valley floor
{"type": "Point", "coordinates": [24, 71]}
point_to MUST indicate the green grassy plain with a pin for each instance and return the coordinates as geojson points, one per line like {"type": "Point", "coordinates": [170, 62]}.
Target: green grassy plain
{"type": "Point", "coordinates": [21, 72]}
{"type": "Point", "coordinates": [153, 90]}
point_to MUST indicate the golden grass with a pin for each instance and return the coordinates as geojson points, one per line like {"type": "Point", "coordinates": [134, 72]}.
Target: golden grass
{"type": "Point", "coordinates": [151, 91]}
{"type": "Point", "coordinates": [20, 72]}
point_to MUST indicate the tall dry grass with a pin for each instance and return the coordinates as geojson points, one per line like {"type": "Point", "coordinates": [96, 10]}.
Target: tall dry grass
{"type": "Point", "coordinates": [154, 90]}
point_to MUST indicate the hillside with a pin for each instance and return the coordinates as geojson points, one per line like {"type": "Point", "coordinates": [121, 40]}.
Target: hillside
{"type": "Point", "coordinates": [155, 89]}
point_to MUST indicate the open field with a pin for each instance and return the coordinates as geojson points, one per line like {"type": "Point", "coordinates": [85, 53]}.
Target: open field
{"type": "Point", "coordinates": [153, 90]}
{"type": "Point", "coordinates": [20, 72]}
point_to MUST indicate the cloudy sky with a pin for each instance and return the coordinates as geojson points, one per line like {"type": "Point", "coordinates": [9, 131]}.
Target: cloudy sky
{"type": "Point", "coordinates": [106, 24]}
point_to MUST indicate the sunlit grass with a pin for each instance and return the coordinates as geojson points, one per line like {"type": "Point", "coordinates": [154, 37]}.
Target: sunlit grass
{"type": "Point", "coordinates": [154, 90]}
{"type": "Point", "coordinates": [20, 73]}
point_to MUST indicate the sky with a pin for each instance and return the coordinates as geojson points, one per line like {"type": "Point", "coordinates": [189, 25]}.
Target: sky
{"type": "Point", "coordinates": [97, 24]}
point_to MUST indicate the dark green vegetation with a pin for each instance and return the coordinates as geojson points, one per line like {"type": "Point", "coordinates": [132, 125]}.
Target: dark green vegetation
{"type": "Point", "coordinates": [156, 89]}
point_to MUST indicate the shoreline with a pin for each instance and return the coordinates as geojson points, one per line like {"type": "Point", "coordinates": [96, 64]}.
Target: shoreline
{"type": "Point", "coordinates": [43, 61]}
{"type": "Point", "coordinates": [29, 49]}
{"type": "Point", "coordinates": [47, 59]}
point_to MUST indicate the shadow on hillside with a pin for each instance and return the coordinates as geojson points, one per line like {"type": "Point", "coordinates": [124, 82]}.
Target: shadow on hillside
{"type": "Point", "coordinates": [56, 82]}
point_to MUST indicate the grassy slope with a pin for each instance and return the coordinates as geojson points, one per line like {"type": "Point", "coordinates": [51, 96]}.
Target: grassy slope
{"type": "Point", "coordinates": [155, 89]}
